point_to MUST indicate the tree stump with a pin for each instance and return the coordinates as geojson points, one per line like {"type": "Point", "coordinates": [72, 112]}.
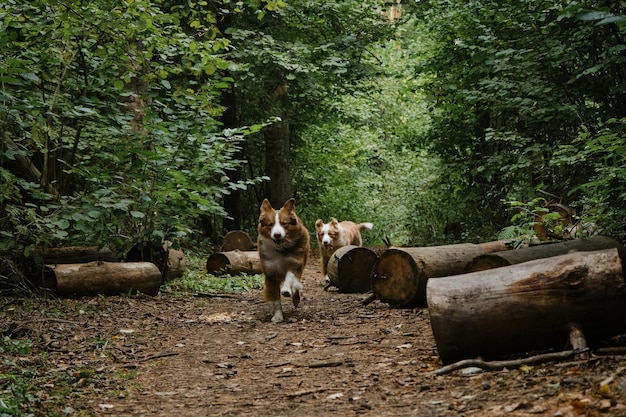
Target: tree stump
{"type": "Point", "coordinates": [530, 306]}
{"type": "Point", "coordinates": [350, 269]}
{"type": "Point", "coordinates": [101, 278]}
{"type": "Point", "coordinates": [234, 262]}
{"type": "Point", "coordinates": [399, 275]}
{"type": "Point", "coordinates": [546, 250]}
{"type": "Point", "coordinates": [237, 240]}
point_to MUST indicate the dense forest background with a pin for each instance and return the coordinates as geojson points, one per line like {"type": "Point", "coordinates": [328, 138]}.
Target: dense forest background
{"type": "Point", "coordinates": [439, 121]}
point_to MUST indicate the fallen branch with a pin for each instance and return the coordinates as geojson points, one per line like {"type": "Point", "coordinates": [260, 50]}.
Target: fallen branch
{"type": "Point", "coordinates": [499, 365]}
{"type": "Point", "coordinates": [214, 295]}
{"type": "Point", "coordinates": [325, 364]}
{"type": "Point", "coordinates": [158, 356]}
{"type": "Point", "coordinates": [306, 392]}
{"type": "Point", "coordinates": [276, 365]}
{"type": "Point", "coordinates": [614, 350]}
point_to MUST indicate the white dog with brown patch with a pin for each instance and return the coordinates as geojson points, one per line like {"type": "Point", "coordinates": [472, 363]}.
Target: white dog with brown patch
{"type": "Point", "coordinates": [334, 235]}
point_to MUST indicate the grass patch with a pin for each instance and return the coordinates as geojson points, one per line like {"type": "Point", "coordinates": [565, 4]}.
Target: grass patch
{"type": "Point", "coordinates": [196, 280]}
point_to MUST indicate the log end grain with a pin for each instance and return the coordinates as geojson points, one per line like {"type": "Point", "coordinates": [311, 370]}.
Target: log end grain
{"type": "Point", "coordinates": [398, 280]}
{"type": "Point", "coordinates": [218, 263]}
{"type": "Point", "coordinates": [237, 240]}
{"type": "Point", "coordinates": [350, 269]}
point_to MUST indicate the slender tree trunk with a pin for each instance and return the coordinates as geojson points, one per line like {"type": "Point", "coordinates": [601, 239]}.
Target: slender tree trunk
{"type": "Point", "coordinates": [232, 201]}
{"type": "Point", "coordinates": [278, 154]}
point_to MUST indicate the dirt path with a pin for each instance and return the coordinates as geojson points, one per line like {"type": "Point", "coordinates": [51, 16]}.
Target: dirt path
{"type": "Point", "coordinates": [198, 356]}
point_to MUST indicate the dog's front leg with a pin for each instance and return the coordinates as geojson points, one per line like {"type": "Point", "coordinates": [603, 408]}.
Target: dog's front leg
{"type": "Point", "coordinates": [272, 298]}
{"type": "Point", "coordinates": [291, 288]}
{"type": "Point", "coordinates": [276, 310]}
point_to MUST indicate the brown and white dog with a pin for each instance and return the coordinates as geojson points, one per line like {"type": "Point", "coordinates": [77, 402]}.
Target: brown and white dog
{"type": "Point", "coordinates": [284, 246]}
{"type": "Point", "coordinates": [334, 235]}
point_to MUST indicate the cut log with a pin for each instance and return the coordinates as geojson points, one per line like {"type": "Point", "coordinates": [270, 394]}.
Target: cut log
{"type": "Point", "coordinates": [237, 240]}
{"type": "Point", "coordinates": [234, 262]}
{"type": "Point", "coordinates": [535, 305]}
{"type": "Point", "coordinates": [350, 269]}
{"type": "Point", "coordinates": [101, 278]}
{"type": "Point", "coordinates": [499, 259]}
{"type": "Point", "coordinates": [399, 275]}
{"type": "Point", "coordinates": [74, 255]}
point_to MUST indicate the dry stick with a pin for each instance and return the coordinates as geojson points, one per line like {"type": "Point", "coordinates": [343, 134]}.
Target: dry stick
{"type": "Point", "coordinates": [276, 365]}
{"type": "Point", "coordinates": [614, 350]}
{"type": "Point", "coordinates": [214, 295]}
{"type": "Point", "coordinates": [499, 365]}
{"type": "Point", "coordinates": [158, 355]}
{"type": "Point", "coordinates": [325, 364]}
{"type": "Point", "coordinates": [306, 392]}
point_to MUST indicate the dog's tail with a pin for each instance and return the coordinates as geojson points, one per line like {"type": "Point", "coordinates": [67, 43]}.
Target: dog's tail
{"type": "Point", "coordinates": [365, 226]}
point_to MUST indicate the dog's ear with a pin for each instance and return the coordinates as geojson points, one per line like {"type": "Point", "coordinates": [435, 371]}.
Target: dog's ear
{"type": "Point", "coordinates": [266, 206]}
{"type": "Point", "coordinates": [333, 220]}
{"type": "Point", "coordinates": [290, 205]}
{"type": "Point", "coordinates": [319, 223]}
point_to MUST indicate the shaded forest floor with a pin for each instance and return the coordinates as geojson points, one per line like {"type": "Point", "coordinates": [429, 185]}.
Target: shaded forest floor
{"type": "Point", "coordinates": [199, 356]}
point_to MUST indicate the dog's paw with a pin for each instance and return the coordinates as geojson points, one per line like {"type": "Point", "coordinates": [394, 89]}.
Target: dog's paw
{"type": "Point", "coordinates": [290, 286]}
{"type": "Point", "coordinates": [277, 317]}
{"type": "Point", "coordinates": [276, 311]}
{"type": "Point", "coordinates": [326, 279]}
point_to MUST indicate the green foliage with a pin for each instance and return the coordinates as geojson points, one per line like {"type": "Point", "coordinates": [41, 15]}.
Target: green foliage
{"type": "Point", "coordinates": [113, 105]}
{"type": "Point", "coordinates": [361, 163]}
{"type": "Point", "coordinates": [510, 84]}
{"type": "Point", "coordinates": [604, 191]}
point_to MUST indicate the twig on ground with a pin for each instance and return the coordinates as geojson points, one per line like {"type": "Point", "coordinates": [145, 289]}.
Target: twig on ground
{"type": "Point", "coordinates": [158, 356]}
{"type": "Point", "coordinates": [499, 365]}
{"type": "Point", "coordinates": [214, 295]}
{"type": "Point", "coordinates": [306, 392]}
{"type": "Point", "coordinates": [325, 364]}
{"type": "Point", "coordinates": [613, 350]}
{"type": "Point", "coordinates": [278, 364]}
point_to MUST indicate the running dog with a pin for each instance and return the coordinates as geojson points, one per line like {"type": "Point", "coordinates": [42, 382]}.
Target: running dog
{"type": "Point", "coordinates": [283, 246]}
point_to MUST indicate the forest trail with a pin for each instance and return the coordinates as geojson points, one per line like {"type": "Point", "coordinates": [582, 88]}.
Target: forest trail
{"type": "Point", "coordinates": [173, 355]}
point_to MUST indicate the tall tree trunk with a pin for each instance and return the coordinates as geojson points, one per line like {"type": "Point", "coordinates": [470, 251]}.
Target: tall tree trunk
{"type": "Point", "coordinates": [277, 153]}
{"type": "Point", "coordinates": [232, 201]}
